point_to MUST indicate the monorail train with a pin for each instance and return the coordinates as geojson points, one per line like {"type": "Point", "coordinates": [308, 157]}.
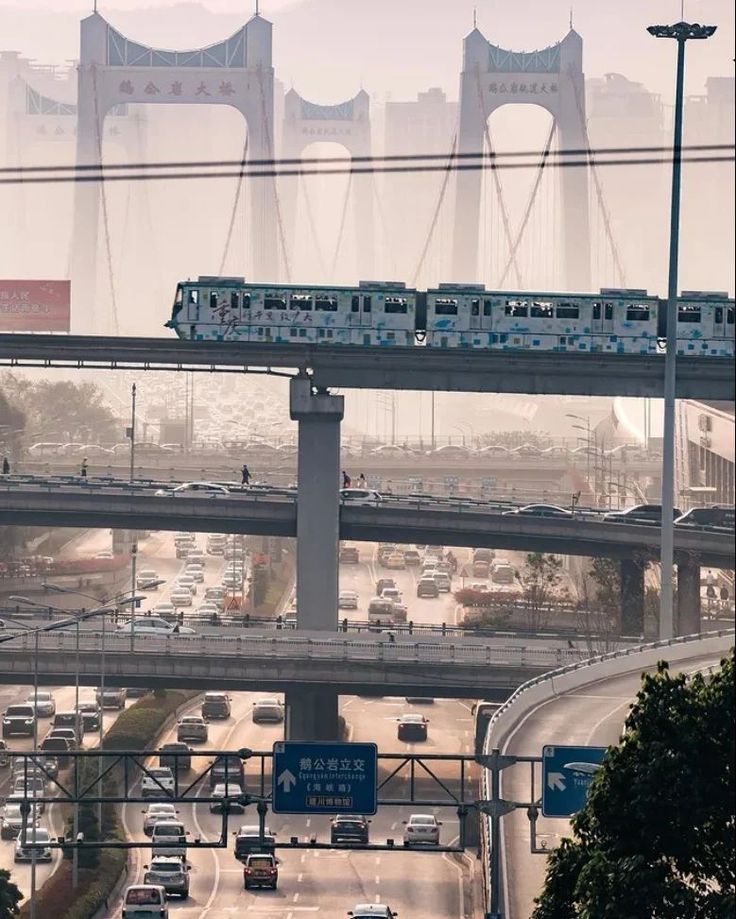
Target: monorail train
{"type": "Point", "coordinates": [450, 316]}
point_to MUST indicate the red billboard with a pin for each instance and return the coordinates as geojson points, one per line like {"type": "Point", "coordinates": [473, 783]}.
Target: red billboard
{"type": "Point", "coordinates": [34, 306]}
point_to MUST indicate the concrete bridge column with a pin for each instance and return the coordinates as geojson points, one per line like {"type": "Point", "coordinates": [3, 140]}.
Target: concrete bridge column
{"type": "Point", "coordinates": [632, 597]}
{"type": "Point", "coordinates": [312, 714]}
{"type": "Point", "coordinates": [688, 598]}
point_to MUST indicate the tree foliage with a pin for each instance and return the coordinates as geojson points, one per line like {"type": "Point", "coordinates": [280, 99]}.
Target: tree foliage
{"type": "Point", "coordinates": [540, 579]}
{"type": "Point", "coordinates": [10, 896]}
{"type": "Point", "coordinates": [656, 837]}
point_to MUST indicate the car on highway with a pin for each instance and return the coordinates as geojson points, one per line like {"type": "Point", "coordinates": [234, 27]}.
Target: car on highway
{"type": "Point", "coordinates": [186, 582]}
{"type": "Point", "coordinates": [205, 489]}
{"type": "Point", "coordinates": [720, 516]}
{"type": "Point", "coordinates": [147, 579]}
{"type": "Point", "coordinates": [350, 828]}
{"type": "Point", "coordinates": [372, 911]}
{"type": "Point", "coordinates": [427, 587]}
{"type": "Point", "coordinates": [58, 748]}
{"type": "Point", "coordinates": [422, 829]}
{"type": "Point", "coordinates": [192, 728]}
{"type": "Point", "coordinates": [443, 581]}
{"type": "Point", "coordinates": [90, 714]}
{"type": "Point", "coordinates": [68, 734]}
{"type": "Point", "coordinates": [226, 790]}
{"type": "Point", "coordinates": [164, 610]}
{"type": "Point", "coordinates": [45, 703]}
{"type": "Point", "coordinates": [215, 594]}
{"type": "Point", "coordinates": [157, 782]}
{"type": "Point", "coordinates": [176, 756]}
{"type": "Point", "coordinates": [365, 496]}
{"type": "Point", "coordinates": [268, 711]}
{"type": "Point", "coordinates": [391, 593]}
{"type": "Point", "coordinates": [12, 819]}
{"type": "Point", "coordinates": [72, 720]}
{"type": "Point", "coordinates": [19, 719]}
{"type": "Point", "coordinates": [180, 596]}
{"type": "Point", "coordinates": [169, 837]}
{"type": "Point", "coordinates": [155, 626]}
{"type": "Point", "coordinates": [111, 697]}
{"type": "Point", "coordinates": [261, 871]}
{"type": "Point", "coordinates": [208, 609]}
{"type": "Point", "coordinates": [155, 813]}
{"type": "Point", "coordinates": [171, 873]}
{"type": "Point", "coordinates": [395, 561]}
{"type": "Point", "coordinates": [383, 583]}
{"type": "Point", "coordinates": [4, 757]}
{"type": "Point", "coordinates": [640, 514]}
{"type": "Point", "coordinates": [412, 558]}
{"type": "Point", "coordinates": [347, 599]}
{"type": "Point", "coordinates": [195, 571]}
{"type": "Point", "coordinates": [412, 727]}
{"type": "Point", "coordinates": [349, 555]}
{"type": "Point", "coordinates": [248, 841]}
{"type": "Point", "coordinates": [539, 510]}
{"type": "Point", "coordinates": [380, 608]}
{"type": "Point", "coordinates": [216, 705]}
{"type": "Point", "coordinates": [145, 901]}
{"type": "Point", "coordinates": [228, 767]}
{"type": "Point", "coordinates": [37, 836]}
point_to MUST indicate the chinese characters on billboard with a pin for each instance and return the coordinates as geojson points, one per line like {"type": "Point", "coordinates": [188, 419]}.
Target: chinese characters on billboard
{"type": "Point", "coordinates": [34, 306]}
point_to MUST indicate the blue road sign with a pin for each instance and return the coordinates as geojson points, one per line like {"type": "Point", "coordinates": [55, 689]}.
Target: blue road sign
{"type": "Point", "coordinates": [324, 778]}
{"type": "Point", "coordinates": [566, 776]}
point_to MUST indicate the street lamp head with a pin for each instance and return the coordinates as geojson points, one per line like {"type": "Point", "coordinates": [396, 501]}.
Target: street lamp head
{"type": "Point", "coordinates": [682, 31]}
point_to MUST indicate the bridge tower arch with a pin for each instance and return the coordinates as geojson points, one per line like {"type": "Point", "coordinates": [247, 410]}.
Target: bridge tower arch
{"type": "Point", "coordinates": [348, 124]}
{"type": "Point", "coordinates": [114, 70]}
{"type": "Point", "coordinates": [552, 79]}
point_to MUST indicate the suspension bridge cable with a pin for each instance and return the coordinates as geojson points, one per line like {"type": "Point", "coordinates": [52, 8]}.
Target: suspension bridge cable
{"type": "Point", "coordinates": [236, 202]}
{"type": "Point", "coordinates": [341, 230]}
{"type": "Point", "coordinates": [105, 214]}
{"type": "Point", "coordinates": [529, 206]}
{"type": "Point", "coordinates": [437, 209]}
{"type": "Point", "coordinates": [313, 228]}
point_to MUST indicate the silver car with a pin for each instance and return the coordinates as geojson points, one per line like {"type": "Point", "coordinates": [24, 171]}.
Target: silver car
{"type": "Point", "coordinates": [155, 814]}
{"type": "Point", "coordinates": [45, 703]}
{"type": "Point", "coordinates": [422, 829]}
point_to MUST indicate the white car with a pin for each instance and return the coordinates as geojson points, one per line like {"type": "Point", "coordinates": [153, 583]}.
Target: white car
{"type": "Point", "coordinates": [152, 625]}
{"type": "Point", "coordinates": [422, 829]}
{"type": "Point", "coordinates": [227, 790]}
{"type": "Point", "coordinates": [347, 599]}
{"type": "Point", "coordinates": [360, 496]}
{"type": "Point", "coordinates": [216, 594]}
{"type": "Point", "coordinates": [196, 556]}
{"type": "Point", "coordinates": [34, 835]}
{"type": "Point", "coordinates": [146, 580]}
{"type": "Point", "coordinates": [268, 711]}
{"type": "Point", "coordinates": [155, 814]}
{"type": "Point", "coordinates": [44, 701]}
{"type": "Point", "coordinates": [206, 489]}
{"type": "Point", "coordinates": [186, 582]}
{"type": "Point", "coordinates": [372, 911]}
{"type": "Point", "coordinates": [164, 609]}
{"type": "Point", "coordinates": [157, 782]}
{"type": "Point", "coordinates": [181, 597]}
{"type": "Point", "coordinates": [196, 572]}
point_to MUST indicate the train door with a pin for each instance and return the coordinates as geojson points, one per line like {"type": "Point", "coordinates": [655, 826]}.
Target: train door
{"type": "Point", "coordinates": [474, 314]}
{"type": "Point", "coordinates": [601, 323]}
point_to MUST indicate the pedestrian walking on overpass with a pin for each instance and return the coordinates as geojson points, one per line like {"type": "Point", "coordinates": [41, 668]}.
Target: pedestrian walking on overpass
{"type": "Point", "coordinates": [83, 470]}
{"type": "Point", "coordinates": [362, 481]}
{"type": "Point", "coordinates": [346, 480]}
{"type": "Point", "coordinates": [245, 475]}
{"type": "Point", "coordinates": [6, 466]}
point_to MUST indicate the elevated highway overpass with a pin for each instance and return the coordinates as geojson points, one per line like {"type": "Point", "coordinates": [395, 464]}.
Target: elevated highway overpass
{"type": "Point", "coordinates": [374, 367]}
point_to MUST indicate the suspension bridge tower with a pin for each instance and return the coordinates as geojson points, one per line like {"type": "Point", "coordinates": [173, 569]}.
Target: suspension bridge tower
{"type": "Point", "coordinates": [349, 125]}
{"type": "Point", "coordinates": [552, 79]}
{"type": "Point", "coordinates": [114, 70]}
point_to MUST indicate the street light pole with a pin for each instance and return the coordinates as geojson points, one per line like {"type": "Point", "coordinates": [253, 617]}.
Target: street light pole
{"type": "Point", "coordinates": [132, 433]}
{"type": "Point", "coordinates": [681, 32]}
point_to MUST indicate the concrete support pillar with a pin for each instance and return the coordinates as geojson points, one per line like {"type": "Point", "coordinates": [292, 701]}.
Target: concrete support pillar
{"type": "Point", "coordinates": [688, 598]}
{"type": "Point", "coordinates": [312, 714]}
{"type": "Point", "coordinates": [632, 597]}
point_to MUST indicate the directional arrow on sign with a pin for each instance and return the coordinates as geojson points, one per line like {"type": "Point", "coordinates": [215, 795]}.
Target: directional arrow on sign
{"type": "Point", "coordinates": [287, 780]}
{"type": "Point", "coordinates": [556, 781]}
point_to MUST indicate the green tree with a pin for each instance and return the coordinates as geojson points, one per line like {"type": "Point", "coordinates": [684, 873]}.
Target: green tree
{"type": "Point", "coordinates": [10, 896]}
{"type": "Point", "coordinates": [656, 837]}
{"type": "Point", "coordinates": [540, 579]}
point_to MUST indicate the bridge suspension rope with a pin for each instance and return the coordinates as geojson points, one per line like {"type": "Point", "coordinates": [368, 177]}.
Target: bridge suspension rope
{"type": "Point", "coordinates": [105, 212]}
{"type": "Point", "coordinates": [313, 226]}
{"type": "Point", "coordinates": [236, 202]}
{"type": "Point", "coordinates": [528, 210]}
{"type": "Point", "coordinates": [341, 230]}
{"type": "Point", "coordinates": [436, 212]}
{"type": "Point", "coordinates": [266, 127]}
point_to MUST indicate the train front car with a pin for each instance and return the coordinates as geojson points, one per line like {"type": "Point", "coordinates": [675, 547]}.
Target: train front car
{"type": "Point", "coordinates": [705, 324]}
{"type": "Point", "coordinates": [209, 309]}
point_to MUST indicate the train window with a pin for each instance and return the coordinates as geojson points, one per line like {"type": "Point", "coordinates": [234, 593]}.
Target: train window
{"type": "Point", "coordinates": [688, 314]}
{"type": "Point", "coordinates": [246, 301]}
{"type": "Point", "coordinates": [487, 307]}
{"type": "Point", "coordinates": [596, 311]}
{"type": "Point", "coordinates": [635, 312]}
{"type": "Point", "coordinates": [213, 300]}
{"type": "Point", "coordinates": [517, 308]}
{"type": "Point", "coordinates": [366, 304]}
{"type": "Point", "coordinates": [567, 311]}
{"type": "Point", "coordinates": [301, 302]}
{"type": "Point", "coordinates": [194, 296]}
{"type": "Point", "coordinates": [542, 311]}
{"type": "Point", "coordinates": [178, 300]}
{"type": "Point", "coordinates": [475, 307]}
{"type": "Point", "coordinates": [719, 315]}
{"type": "Point", "coordinates": [729, 315]}
{"type": "Point", "coordinates": [609, 312]}
{"type": "Point", "coordinates": [325, 303]}
{"type": "Point", "coordinates": [273, 302]}
{"type": "Point", "coordinates": [443, 307]}
{"type": "Point", "coordinates": [396, 305]}
{"type": "Point", "coordinates": [234, 297]}
{"type": "Point", "coordinates": [355, 305]}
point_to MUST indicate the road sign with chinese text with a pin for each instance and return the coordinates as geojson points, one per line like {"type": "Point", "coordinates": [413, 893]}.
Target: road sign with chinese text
{"type": "Point", "coordinates": [566, 776]}
{"type": "Point", "coordinates": [324, 778]}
